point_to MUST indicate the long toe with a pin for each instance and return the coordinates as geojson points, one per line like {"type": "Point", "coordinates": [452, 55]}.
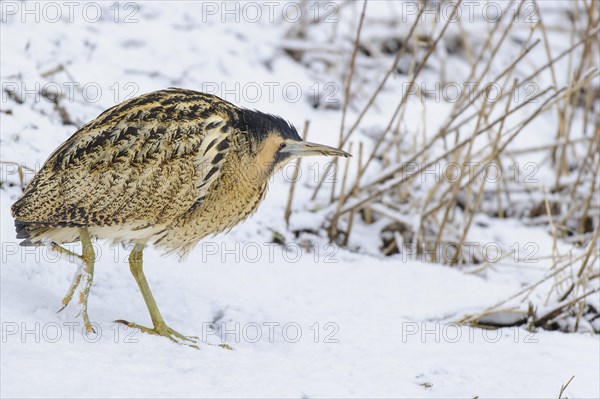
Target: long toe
{"type": "Point", "coordinates": [69, 295]}
{"type": "Point", "coordinates": [164, 330]}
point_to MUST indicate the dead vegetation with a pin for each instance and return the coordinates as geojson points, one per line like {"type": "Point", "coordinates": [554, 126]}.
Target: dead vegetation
{"type": "Point", "coordinates": [428, 185]}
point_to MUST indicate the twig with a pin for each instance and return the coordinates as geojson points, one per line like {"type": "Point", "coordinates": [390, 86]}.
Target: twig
{"type": "Point", "coordinates": [564, 386]}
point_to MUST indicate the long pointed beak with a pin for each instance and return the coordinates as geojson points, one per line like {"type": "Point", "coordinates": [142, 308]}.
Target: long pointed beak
{"type": "Point", "coordinates": [298, 149]}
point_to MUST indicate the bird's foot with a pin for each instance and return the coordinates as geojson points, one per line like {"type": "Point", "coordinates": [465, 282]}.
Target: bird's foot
{"type": "Point", "coordinates": [164, 331]}
{"type": "Point", "coordinates": [76, 280]}
{"type": "Point", "coordinates": [83, 300]}
{"type": "Point", "coordinates": [80, 277]}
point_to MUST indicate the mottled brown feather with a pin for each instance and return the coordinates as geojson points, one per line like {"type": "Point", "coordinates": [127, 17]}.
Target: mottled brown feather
{"type": "Point", "coordinates": [168, 167]}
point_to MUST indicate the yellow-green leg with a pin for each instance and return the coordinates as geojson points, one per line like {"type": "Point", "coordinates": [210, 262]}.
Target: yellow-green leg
{"type": "Point", "coordinates": [160, 327]}
{"type": "Point", "coordinates": [89, 258]}
{"type": "Point", "coordinates": [85, 274]}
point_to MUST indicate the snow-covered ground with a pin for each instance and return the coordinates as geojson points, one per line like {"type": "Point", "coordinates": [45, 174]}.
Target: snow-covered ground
{"type": "Point", "coordinates": [307, 319]}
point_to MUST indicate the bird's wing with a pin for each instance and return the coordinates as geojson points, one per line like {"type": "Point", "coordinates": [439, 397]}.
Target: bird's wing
{"type": "Point", "coordinates": [146, 162]}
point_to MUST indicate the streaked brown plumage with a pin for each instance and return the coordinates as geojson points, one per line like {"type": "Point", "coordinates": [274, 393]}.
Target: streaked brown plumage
{"type": "Point", "coordinates": [167, 168]}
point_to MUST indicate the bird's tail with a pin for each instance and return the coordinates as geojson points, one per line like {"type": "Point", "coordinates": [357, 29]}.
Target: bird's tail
{"type": "Point", "coordinates": [28, 231]}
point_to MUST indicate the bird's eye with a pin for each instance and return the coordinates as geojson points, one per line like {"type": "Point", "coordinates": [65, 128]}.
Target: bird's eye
{"type": "Point", "coordinates": [282, 146]}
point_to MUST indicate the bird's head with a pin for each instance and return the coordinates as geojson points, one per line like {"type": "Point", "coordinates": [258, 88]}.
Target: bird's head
{"type": "Point", "coordinates": [278, 141]}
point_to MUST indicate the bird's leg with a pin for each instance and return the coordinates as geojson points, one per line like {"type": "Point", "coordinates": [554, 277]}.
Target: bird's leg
{"type": "Point", "coordinates": [72, 288]}
{"type": "Point", "coordinates": [85, 272]}
{"type": "Point", "coordinates": [76, 279]}
{"type": "Point", "coordinates": [160, 327]}
{"type": "Point", "coordinates": [87, 276]}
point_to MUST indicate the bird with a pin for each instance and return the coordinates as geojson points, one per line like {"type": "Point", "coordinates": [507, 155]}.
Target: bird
{"type": "Point", "coordinates": [167, 168]}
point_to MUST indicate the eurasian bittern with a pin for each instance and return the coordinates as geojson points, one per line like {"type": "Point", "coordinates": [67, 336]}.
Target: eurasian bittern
{"type": "Point", "coordinates": [167, 168]}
